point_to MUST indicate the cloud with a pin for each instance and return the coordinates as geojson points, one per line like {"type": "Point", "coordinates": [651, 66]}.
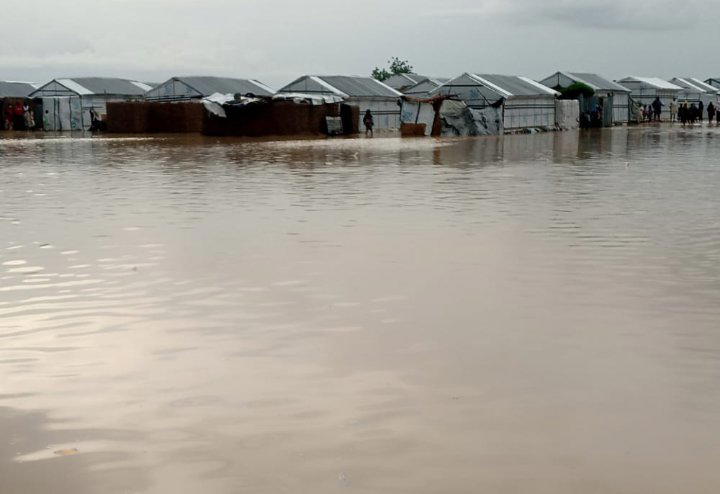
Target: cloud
{"type": "Point", "coordinates": [278, 40]}
{"type": "Point", "coordinates": [634, 15]}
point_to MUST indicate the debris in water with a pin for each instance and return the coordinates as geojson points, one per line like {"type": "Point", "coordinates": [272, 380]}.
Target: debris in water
{"type": "Point", "coordinates": [67, 452]}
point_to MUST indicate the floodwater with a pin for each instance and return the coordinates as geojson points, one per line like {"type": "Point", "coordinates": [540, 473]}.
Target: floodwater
{"type": "Point", "coordinates": [531, 314]}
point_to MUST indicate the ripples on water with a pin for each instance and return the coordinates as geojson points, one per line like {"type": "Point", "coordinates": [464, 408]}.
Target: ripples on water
{"type": "Point", "coordinates": [527, 314]}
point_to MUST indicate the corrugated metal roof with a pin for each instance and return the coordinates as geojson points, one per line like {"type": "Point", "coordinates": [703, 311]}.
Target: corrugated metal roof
{"type": "Point", "coordinates": [356, 86]}
{"type": "Point", "coordinates": [105, 85]}
{"type": "Point", "coordinates": [513, 85]}
{"type": "Point", "coordinates": [10, 89]}
{"type": "Point", "coordinates": [596, 82]}
{"type": "Point", "coordinates": [207, 85]}
{"type": "Point", "coordinates": [654, 82]}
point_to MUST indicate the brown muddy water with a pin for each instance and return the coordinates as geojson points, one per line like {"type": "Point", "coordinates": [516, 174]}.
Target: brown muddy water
{"type": "Point", "coordinates": [532, 314]}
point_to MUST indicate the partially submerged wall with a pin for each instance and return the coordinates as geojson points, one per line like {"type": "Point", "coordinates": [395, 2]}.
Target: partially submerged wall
{"type": "Point", "coordinates": [280, 118]}
{"type": "Point", "coordinates": [147, 117]}
{"type": "Point", "coordinates": [263, 118]}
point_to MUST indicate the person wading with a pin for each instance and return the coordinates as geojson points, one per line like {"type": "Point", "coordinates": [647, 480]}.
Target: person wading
{"type": "Point", "coordinates": [682, 114]}
{"type": "Point", "coordinates": [692, 114]}
{"type": "Point", "coordinates": [657, 109]}
{"type": "Point", "coordinates": [711, 113]}
{"type": "Point", "coordinates": [369, 123]}
{"type": "Point", "coordinates": [673, 110]}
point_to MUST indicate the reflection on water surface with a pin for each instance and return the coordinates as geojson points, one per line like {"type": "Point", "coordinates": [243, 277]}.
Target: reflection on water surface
{"type": "Point", "coordinates": [526, 314]}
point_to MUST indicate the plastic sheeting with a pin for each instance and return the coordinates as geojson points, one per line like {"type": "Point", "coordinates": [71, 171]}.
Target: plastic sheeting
{"type": "Point", "coordinates": [418, 113]}
{"type": "Point", "coordinates": [567, 114]}
{"type": "Point", "coordinates": [460, 120]}
{"type": "Point", "coordinates": [311, 99]}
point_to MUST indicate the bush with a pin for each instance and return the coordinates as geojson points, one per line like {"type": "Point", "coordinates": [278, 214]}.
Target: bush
{"type": "Point", "coordinates": [575, 90]}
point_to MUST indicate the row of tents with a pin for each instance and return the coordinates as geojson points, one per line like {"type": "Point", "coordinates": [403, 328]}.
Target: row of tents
{"type": "Point", "coordinates": [80, 103]}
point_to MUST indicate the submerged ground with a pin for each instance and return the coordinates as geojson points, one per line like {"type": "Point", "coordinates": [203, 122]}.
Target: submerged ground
{"type": "Point", "coordinates": [528, 314]}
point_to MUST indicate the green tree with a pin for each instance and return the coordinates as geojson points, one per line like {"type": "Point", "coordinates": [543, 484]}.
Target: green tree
{"type": "Point", "coordinates": [575, 90]}
{"type": "Point", "coordinates": [395, 66]}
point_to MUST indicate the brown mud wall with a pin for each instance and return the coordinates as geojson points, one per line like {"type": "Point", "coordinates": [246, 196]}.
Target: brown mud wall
{"type": "Point", "coordinates": [267, 118]}
{"type": "Point", "coordinates": [150, 118]}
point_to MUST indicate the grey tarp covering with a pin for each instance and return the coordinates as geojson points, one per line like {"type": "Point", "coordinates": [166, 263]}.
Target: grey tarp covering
{"type": "Point", "coordinates": [460, 120]}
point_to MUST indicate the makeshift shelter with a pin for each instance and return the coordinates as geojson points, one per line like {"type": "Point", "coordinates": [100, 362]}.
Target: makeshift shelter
{"type": "Point", "coordinates": [695, 91]}
{"type": "Point", "coordinates": [401, 82]}
{"type": "Point", "coordinates": [14, 97]}
{"type": "Point", "coordinates": [81, 103]}
{"type": "Point", "coordinates": [611, 96]}
{"type": "Point", "coordinates": [286, 114]}
{"type": "Point", "coordinates": [423, 88]}
{"type": "Point", "coordinates": [448, 116]}
{"type": "Point", "coordinates": [644, 90]}
{"type": "Point", "coordinates": [526, 104]}
{"type": "Point", "coordinates": [365, 92]}
{"type": "Point", "coordinates": [198, 87]}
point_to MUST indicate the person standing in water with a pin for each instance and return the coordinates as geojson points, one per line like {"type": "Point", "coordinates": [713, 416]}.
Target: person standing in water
{"type": "Point", "coordinates": [693, 114]}
{"type": "Point", "coordinates": [29, 117]}
{"type": "Point", "coordinates": [369, 123]}
{"type": "Point", "coordinates": [657, 109]}
{"type": "Point", "coordinates": [711, 113]}
{"type": "Point", "coordinates": [673, 110]}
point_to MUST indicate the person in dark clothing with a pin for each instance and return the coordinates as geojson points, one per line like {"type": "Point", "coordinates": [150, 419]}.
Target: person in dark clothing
{"type": "Point", "coordinates": [683, 113]}
{"type": "Point", "coordinates": [711, 113]}
{"type": "Point", "coordinates": [700, 111]}
{"type": "Point", "coordinates": [692, 114]}
{"type": "Point", "coordinates": [657, 108]}
{"type": "Point", "coordinates": [369, 123]}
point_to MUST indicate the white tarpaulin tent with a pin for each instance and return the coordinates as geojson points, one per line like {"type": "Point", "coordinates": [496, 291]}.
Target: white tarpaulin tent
{"type": "Point", "coordinates": [81, 95]}
{"type": "Point", "coordinates": [198, 87]}
{"type": "Point", "coordinates": [610, 94]}
{"type": "Point", "coordinates": [525, 104]}
{"type": "Point", "coordinates": [645, 90]}
{"type": "Point", "coordinates": [365, 92]}
{"type": "Point", "coordinates": [695, 91]}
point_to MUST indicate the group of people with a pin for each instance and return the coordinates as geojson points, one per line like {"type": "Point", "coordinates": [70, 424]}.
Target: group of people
{"type": "Point", "coordinates": [19, 116]}
{"type": "Point", "coordinates": [685, 113]}
{"type": "Point", "coordinates": [689, 114]}
{"type": "Point", "coordinates": [652, 112]}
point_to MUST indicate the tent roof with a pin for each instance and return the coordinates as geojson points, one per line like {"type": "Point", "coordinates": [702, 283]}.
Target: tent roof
{"type": "Point", "coordinates": [686, 84]}
{"type": "Point", "coordinates": [11, 89]}
{"type": "Point", "coordinates": [346, 86]}
{"type": "Point", "coordinates": [85, 86]}
{"type": "Point", "coordinates": [702, 85]}
{"type": "Point", "coordinates": [398, 81]}
{"type": "Point", "coordinates": [513, 85]}
{"type": "Point", "coordinates": [654, 82]}
{"type": "Point", "coordinates": [106, 85]}
{"type": "Point", "coordinates": [359, 86]}
{"type": "Point", "coordinates": [595, 81]}
{"type": "Point", "coordinates": [208, 85]}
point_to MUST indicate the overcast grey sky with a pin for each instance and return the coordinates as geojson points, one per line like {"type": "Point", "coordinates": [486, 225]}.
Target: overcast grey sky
{"type": "Point", "coordinates": [278, 40]}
